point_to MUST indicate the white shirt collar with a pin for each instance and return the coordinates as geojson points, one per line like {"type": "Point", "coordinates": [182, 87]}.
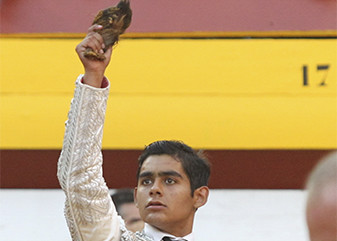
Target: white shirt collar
{"type": "Point", "coordinates": [157, 235]}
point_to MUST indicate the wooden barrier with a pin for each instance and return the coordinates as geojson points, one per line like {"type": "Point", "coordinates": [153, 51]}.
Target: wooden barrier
{"type": "Point", "coordinates": [231, 169]}
{"type": "Point", "coordinates": [213, 94]}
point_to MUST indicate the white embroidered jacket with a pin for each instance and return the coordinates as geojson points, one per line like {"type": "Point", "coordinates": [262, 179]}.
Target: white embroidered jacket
{"type": "Point", "coordinates": [89, 210]}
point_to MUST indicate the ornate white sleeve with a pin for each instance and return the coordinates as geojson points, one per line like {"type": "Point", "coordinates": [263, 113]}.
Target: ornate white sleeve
{"type": "Point", "coordinates": [89, 210]}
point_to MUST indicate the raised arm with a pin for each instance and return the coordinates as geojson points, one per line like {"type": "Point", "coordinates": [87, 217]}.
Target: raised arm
{"type": "Point", "coordinates": [89, 210]}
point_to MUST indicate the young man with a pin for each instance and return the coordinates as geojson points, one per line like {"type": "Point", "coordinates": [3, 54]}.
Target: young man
{"type": "Point", "coordinates": [172, 178]}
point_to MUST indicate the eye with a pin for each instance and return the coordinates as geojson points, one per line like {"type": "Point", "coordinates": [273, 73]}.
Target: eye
{"type": "Point", "coordinates": [146, 181]}
{"type": "Point", "coordinates": [170, 181]}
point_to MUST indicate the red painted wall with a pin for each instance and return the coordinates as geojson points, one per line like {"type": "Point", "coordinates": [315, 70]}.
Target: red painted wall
{"type": "Point", "coordinates": [233, 169]}
{"type": "Point", "coordinates": [43, 16]}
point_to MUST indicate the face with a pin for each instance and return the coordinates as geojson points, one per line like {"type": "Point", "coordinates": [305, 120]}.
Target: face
{"type": "Point", "coordinates": [322, 215]}
{"type": "Point", "coordinates": [130, 214]}
{"type": "Point", "coordinates": [163, 195]}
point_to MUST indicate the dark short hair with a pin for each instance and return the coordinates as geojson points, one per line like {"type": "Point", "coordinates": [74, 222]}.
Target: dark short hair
{"type": "Point", "coordinates": [195, 165]}
{"type": "Point", "coordinates": [122, 196]}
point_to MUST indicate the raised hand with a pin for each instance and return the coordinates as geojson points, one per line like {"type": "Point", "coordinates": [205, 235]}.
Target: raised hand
{"type": "Point", "coordinates": [94, 69]}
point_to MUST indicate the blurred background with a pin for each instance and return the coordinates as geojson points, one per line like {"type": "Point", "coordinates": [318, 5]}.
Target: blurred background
{"type": "Point", "coordinates": [253, 83]}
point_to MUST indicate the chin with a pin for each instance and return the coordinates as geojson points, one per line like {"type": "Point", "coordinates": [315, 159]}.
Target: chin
{"type": "Point", "coordinates": [155, 219]}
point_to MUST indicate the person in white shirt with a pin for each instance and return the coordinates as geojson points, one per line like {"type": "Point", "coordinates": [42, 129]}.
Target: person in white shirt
{"type": "Point", "coordinates": [172, 177]}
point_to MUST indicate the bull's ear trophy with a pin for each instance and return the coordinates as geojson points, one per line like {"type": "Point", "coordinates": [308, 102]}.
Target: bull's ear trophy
{"type": "Point", "coordinates": [115, 20]}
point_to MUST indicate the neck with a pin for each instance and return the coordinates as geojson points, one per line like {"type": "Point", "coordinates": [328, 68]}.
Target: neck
{"type": "Point", "coordinates": [175, 230]}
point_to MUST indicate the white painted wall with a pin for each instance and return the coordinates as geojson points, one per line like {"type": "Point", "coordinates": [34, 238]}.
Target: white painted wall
{"type": "Point", "coordinates": [229, 215]}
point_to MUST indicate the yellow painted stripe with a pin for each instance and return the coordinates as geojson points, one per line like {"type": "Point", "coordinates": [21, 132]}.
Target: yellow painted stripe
{"type": "Point", "coordinates": [205, 122]}
{"type": "Point", "coordinates": [237, 94]}
{"type": "Point", "coordinates": [206, 67]}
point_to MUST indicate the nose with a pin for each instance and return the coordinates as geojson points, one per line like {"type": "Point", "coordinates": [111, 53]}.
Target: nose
{"type": "Point", "coordinates": [156, 188]}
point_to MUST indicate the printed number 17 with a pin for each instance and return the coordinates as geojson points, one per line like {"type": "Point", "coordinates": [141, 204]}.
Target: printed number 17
{"type": "Point", "coordinates": [324, 67]}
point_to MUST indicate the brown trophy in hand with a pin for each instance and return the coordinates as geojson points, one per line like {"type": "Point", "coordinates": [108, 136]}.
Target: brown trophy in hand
{"type": "Point", "coordinates": [115, 20]}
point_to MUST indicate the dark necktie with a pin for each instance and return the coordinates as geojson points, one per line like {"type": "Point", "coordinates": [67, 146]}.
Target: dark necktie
{"type": "Point", "coordinates": [166, 239]}
{"type": "Point", "coordinates": [171, 239]}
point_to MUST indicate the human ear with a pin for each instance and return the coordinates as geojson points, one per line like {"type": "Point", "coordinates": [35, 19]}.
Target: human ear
{"type": "Point", "coordinates": [200, 196]}
{"type": "Point", "coordinates": [135, 196]}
